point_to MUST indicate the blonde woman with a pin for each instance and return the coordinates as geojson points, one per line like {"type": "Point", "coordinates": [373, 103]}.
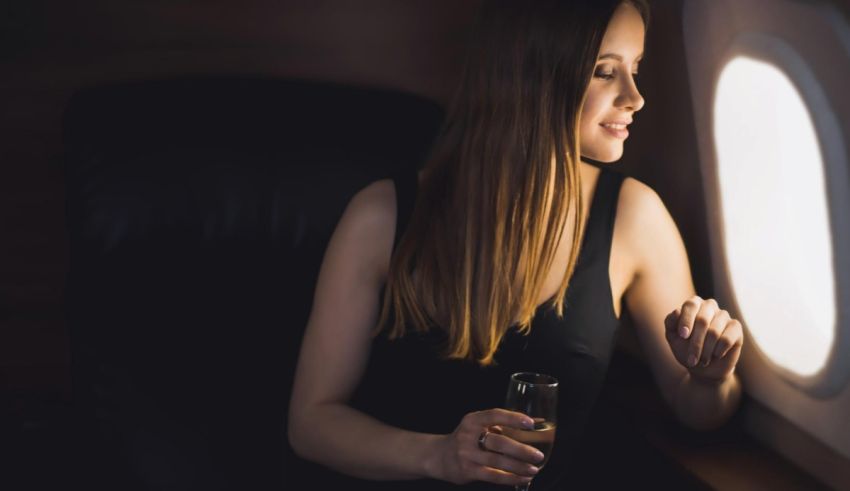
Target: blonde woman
{"type": "Point", "coordinates": [506, 253]}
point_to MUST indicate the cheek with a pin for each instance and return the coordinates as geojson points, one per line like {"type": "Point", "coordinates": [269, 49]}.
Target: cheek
{"type": "Point", "coordinates": [590, 112]}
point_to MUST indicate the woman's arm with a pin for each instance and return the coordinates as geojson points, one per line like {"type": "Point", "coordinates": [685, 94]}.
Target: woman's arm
{"type": "Point", "coordinates": [334, 352]}
{"type": "Point", "coordinates": [662, 285]}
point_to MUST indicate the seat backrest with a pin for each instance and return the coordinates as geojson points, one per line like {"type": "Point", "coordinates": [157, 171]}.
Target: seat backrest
{"type": "Point", "coordinates": [198, 213]}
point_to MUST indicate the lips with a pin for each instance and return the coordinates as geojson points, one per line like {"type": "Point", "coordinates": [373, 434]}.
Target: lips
{"type": "Point", "coordinates": [617, 123]}
{"type": "Point", "coordinates": [615, 126]}
{"type": "Point", "coordinates": [616, 129]}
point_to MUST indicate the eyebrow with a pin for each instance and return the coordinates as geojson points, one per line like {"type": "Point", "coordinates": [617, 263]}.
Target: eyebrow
{"type": "Point", "coordinates": [618, 57]}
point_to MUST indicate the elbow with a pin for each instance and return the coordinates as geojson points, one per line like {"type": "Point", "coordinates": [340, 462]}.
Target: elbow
{"type": "Point", "coordinates": [294, 437]}
{"type": "Point", "coordinates": [303, 432]}
{"type": "Point", "coordinates": [293, 441]}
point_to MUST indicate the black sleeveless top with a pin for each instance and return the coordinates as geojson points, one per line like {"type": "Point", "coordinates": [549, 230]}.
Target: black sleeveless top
{"type": "Point", "coordinates": [407, 385]}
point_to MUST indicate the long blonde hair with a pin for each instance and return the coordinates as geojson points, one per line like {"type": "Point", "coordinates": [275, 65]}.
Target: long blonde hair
{"type": "Point", "coordinates": [501, 179]}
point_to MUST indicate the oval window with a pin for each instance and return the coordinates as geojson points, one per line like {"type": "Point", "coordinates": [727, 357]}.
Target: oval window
{"type": "Point", "coordinates": [775, 214]}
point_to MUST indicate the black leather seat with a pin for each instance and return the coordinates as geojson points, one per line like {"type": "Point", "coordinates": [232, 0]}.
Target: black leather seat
{"type": "Point", "coordinates": [198, 213]}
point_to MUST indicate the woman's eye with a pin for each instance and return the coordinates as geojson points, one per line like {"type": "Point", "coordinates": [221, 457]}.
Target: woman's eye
{"type": "Point", "coordinates": [605, 75]}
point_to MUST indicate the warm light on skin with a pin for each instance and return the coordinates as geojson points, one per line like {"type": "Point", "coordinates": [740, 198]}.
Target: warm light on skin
{"type": "Point", "coordinates": [612, 94]}
{"type": "Point", "coordinates": [775, 214]}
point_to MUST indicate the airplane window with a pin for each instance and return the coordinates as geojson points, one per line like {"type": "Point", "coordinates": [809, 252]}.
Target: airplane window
{"type": "Point", "coordinates": [775, 214]}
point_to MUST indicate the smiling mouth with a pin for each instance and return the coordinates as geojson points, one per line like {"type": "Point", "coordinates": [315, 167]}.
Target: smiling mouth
{"type": "Point", "coordinates": [616, 130]}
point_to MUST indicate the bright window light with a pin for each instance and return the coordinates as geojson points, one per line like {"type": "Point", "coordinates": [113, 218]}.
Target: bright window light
{"type": "Point", "coordinates": [775, 217]}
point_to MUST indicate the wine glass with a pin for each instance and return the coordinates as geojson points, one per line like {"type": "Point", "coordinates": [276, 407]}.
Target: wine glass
{"type": "Point", "coordinates": [535, 395]}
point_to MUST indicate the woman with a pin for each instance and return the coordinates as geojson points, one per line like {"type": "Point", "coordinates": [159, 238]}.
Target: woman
{"type": "Point", "coordinates": [433, 287]}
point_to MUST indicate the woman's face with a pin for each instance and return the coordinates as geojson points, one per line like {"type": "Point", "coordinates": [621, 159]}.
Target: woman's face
{"type": "Point", "coordinates": [612, 96]}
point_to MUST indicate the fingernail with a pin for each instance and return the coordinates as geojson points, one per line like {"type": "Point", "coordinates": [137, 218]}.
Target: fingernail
{"type": "Point", "coordinates": [528, 423]}
{"type": "Point", "coordinates": [692, 360]}
{"type": "Point", "coordinates": [705, 363]}
{"type": "Point", "coordinates": [683, 331]}
{"type": "Point", "coordinates": [539, 455]}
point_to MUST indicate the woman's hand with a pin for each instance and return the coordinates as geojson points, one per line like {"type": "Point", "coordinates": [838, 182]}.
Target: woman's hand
{"type": "Point", "coordinates": [503, 460]}
{"type": "Point", "coordinates": [704, 339]}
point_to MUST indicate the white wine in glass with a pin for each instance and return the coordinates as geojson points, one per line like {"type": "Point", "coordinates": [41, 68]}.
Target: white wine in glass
{"type": "Point", "coordinates": [535, 395]}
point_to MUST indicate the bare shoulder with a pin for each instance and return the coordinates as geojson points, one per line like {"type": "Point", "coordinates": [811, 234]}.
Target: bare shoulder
{"type": "Point", "coordinates": [636, 199]}
{"type": "Point", "coordinates": [368, 224]}
{"type": "Point", "coordinates": [643, 221]}
{"type": "Point", "coordinates": [375, 203]}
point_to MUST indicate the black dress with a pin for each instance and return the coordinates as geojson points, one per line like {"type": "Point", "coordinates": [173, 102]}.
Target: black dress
{"type": "Point", "coordinates": [407, 385]}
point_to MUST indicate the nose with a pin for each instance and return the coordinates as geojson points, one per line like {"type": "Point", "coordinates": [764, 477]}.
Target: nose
{"type": "Point", "coordinates": [630, 98]}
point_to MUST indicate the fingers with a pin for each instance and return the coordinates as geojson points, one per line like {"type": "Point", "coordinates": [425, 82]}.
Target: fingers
{"type": "Point", "coordinates": [490, 417]}
{"type": "Point", "coordinates": [711, 332]}
{"type": "Point", "coordinates": [502, 461]}
{"type": "Point", "coordinates": [700, 322]}
{"type": "Point", "coordinates": [690, 309]}
{"type": "Point", "coordinates": [712, 336]}
{"type": "Point", "coordinates": [732, 336]}
{"type": "Point", "coordinates": [514, 449]}
{"type": "Point", "coordinates": [493, 420]}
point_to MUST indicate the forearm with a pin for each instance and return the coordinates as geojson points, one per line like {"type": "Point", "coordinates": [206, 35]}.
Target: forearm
{"type": "Point", "coordinates": [705, 406]}
{"type": "Point", "coordinates": [351, 442]}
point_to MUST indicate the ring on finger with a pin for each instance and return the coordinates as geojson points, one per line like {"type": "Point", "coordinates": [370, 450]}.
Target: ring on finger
{"type": "Point", "coordinates": [482, 439]}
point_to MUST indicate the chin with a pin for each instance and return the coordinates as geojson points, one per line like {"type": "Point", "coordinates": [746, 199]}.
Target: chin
{"type": "Point", "coordinates": [602, 151]}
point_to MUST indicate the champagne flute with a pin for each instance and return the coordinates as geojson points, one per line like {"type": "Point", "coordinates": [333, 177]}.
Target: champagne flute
{"type": "Point", "coordinates": [535, 395]}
